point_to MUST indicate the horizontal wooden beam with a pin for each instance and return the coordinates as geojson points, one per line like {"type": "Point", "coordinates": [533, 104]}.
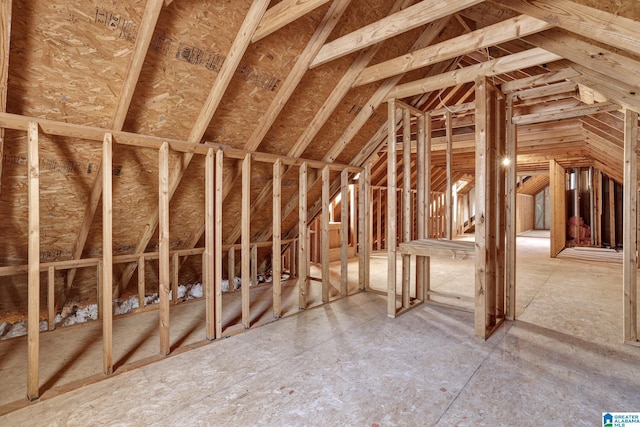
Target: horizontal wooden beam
{"type": "Point", "coordinates": [412, 17]}
{"type": "Point", "coordinates": [551, 116]}
{"type": "Point", "coordinates": [93, 133]}
{"type": "Point", "coordinates": [501, 32]}
{"type": "Point", "coordinates": [538, 80]}
{"type": "Point", "coordinates": [506, 64]}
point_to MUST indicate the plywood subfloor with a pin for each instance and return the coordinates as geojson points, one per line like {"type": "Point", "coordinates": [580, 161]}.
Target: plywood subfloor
{"type": "Point", "coordinates": [347, 363]}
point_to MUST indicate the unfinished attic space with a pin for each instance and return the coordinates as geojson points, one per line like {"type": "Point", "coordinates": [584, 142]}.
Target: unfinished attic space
{"type": "Point", "coordinates": [310, 212]}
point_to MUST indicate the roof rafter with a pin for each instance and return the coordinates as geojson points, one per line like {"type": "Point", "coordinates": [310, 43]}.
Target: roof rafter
{"type": "Point", "coordinates": [498, 33]}
{"type": "Point", "coordinates": [238, 48]}
{"type": "Point", "coordinates": [412, 17]}
{"type": "Point", "coordinates": [5, 37]}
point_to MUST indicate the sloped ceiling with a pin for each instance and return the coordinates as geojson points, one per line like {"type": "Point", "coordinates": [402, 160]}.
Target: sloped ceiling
{"type": "Point", "coordinates": [248, 75]}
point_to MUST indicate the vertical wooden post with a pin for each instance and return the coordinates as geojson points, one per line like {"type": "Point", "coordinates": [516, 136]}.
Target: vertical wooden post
{"type": "Point", "coordinates": [344, 233]}
{"type": "Point", "coordinates": [107, 255]}
{"type": "Point", "coordinates": [324, 238]}
{"type": "Point", "coordinates": [368, 219]}
{"type": "Point", "coordinates": [231, 267]}
{"type": "Point", "coordinates": [379, 218]}
{"type": "Point", "coordinates": [254, 265]}
{"type": "Point", "coordinates": [100, 287]}
{"type": "Point", "coordinates": [499, 203]}
{"type": "Point", "coordinates": [164, 259]}
{"type": "Point", "coordinates": [558, 233]}
{"type": "Point", "coordinates": [276, 252]}
{"type": "Point", "coordinates": [51, 296]}
{"type": "Point", "coordinates": [141, 281]}
{"type": "Point", "coordinates": [448, 232]}
{"type": "Point", "coordinates": [422, 204]}
{"type": "Point", "coordinates": [391, 209]}
{"type": "Point", "coordinates": [33, 316]}
{"type": "Point", "coordinates": [510, 220]}
{"type": "Point", "coordinates": [630, 218]}
{"type": "Point", "coordinates": [406, 203]}
{"type": "Point", "coordinates": [209, 244]}
{"type": "Point", "coordinates": [217, 247]}
{"type": "Point", "coordinates": [485, 211]}
{"type": "Point", "coordinates": [246, 240]}
{"type": "Point", "coordinates": [612, 216]}
{"type": "Point", "coordinates": [175, 267]}
{"type": "Point", "coordinates": [303, 277]}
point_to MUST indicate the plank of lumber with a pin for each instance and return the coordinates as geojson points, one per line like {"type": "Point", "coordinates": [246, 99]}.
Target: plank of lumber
{"type": "Point", "coordinates": [33, 279]}
{"type": "Point", "coordinates": [505, 64]}
{"type": "Point", "coordinates": [510, 220]}
{"type": "Point", "coordinates": [303, 276]}
{"type": "Point", "coordinates": [538, 80]}
{"type": "Point", "coordinates": [630, 218]}
{"type": "Point", "coordinates": [209, 245]}
{"type": "Point", "coordinates": [217, 258]}
{"type": "Point", "coordinates": [431, 247]}
{"type": "Point", "coordinates": [592, 56]}
{"type": "Point", "coordinates": [565, 113]}
{"type": "Point", "coordinates": [507, 30]}
{"type": "Point", "coordinates": [324, 236]}
{"type": "Point", "coordinates": [5, 38]}
{"type": "Point", "coordinates": [107, 257]}
{"type": "Point", "coordinates": [276, 252]}
{"type": "Point", "coordinates": [412, 17]}
{"type": "Point", "coordinates": [164, 261]}
{"type": "Point", "coordinates": [391, 209]}
{"type": "Point", "coordinates": [245, 260]}
{"type": "Point", "coordinates": [284, 13]}
{"type": "Point", "coordinates": [595, 24]}
{"type": "Point", "coordinates": [344, 233]}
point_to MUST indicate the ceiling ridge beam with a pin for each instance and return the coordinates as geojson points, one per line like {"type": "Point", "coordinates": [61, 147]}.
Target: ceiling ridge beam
{"type": "Point", "coordinates": [412, 17]}
{"type": "Point", "coordinates": [501, 32]}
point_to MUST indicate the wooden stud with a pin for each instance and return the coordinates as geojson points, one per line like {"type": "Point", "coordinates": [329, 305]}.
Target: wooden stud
{"type": "Point", "coordinates": [217, 257]}
{"type": "Point", "coordinates": [510, 219]}
{"type": "Point", "coordinates": [5, 37]}
{"type": "Point", "coordinates": [367, 216]}
{"type": "Point", "coordinates": [558, 236]}
{"type": "Point", "coordinates": [107, 256]}
{"type": "Point", "coordinates": [33, 326]}
{"type": "Point", "coordinates": [303, 277]}
{"type": "Point", "coordinates": [164, 259]}
{"type": "Point", "coordinates": [209, 245]}
{"type": "Point", "coordinates": [612, 216]}
{"type": "Point", "coordinates": [422, 202]}
{"type": "Point", "coordinates": [406, 202]}
{"type": "Point", "coordinates": [276, 253]}
{"type": "Point", "coordinates": [246, 241]}
{"type": "Point", "coordinates": [325, 235]}
{"type": "Point", "coordinates": [391, 209]}
{"type": "Point", "coordinates": [141, 281]}
{"type": "Point", "coordinates": [499, 204]}
{"type": "Point", "coordinates": [254, 265]}
{"type": "Point", "coordinates": [483, 208]}
{"type": "Point", "coordinates": [344, 233]}
{"type": "Point", "coordinates": [379, 218]}
{"type": "Point", "coordinates": [448, 232]}
{"type": "Point", "coordinates": [630, 225]}
{"type": "Point", "coordinates": [51, 292]}
{"type": "Point", "coordinates": [231, 267]}
{"type": "Point", "coordinates": [175, 267]}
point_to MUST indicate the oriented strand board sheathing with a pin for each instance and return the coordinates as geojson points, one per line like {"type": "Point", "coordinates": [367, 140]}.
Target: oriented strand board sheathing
{"type": "Point", "coordinates": [76, 53]}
